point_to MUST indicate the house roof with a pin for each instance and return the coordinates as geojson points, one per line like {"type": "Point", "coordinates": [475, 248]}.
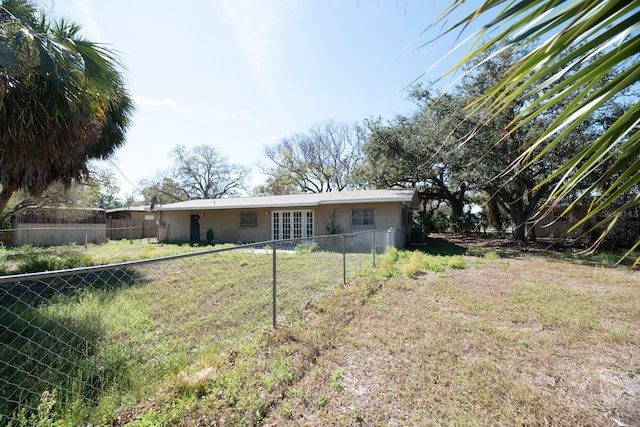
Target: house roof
{"type": "Point", "coordinates": [408, 196]}
{"type": "Point", "coordinates": [144, 208]}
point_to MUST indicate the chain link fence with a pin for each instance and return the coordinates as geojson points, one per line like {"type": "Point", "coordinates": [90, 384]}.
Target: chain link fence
{"type": "Point", "coordinates": [97, 337]}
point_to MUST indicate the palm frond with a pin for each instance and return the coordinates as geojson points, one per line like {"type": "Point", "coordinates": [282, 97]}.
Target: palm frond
{"type": "Point", "coordinates": [583, 50]}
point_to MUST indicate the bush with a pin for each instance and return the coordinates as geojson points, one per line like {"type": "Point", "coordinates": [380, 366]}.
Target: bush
{"type": "Point", "coordinates": [466, 223]}
{"type": "Point", "coordinates": [307, 248]}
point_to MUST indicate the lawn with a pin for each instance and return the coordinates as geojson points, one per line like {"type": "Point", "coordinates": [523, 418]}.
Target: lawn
{"type": "Point", "coordinates": [507, 339]}
{"type": "Point", "coordinates": [30, 259]}
{"type": "Point", "coordinates": [466, 334]}
{"type": "Point", "coordinates": [93, 347]}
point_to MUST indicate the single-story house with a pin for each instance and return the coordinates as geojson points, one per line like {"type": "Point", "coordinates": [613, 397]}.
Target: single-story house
{"type": "Point", "coordinates": [263, 218]}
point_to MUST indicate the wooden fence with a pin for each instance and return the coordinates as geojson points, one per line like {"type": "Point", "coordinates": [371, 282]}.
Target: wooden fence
{"type": "Point", "coordinates": [130, 229]}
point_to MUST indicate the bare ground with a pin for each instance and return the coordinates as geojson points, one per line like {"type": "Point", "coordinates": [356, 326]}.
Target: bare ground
{"type": "Point", "coordinates": [524, 340]}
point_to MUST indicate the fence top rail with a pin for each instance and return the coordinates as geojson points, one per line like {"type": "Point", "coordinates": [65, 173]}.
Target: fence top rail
{"type": "Point", "coordinates": [79, 227]}
{"type": "Point", "coordinates": [98, 268]}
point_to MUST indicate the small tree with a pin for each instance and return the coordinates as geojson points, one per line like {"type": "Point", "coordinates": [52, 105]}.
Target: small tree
{"type": "Point", "coordinates": [333, 226]}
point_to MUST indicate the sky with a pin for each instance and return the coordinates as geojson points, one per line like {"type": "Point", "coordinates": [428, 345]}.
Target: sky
{"type": "Point", "coordinates": [240, 75]}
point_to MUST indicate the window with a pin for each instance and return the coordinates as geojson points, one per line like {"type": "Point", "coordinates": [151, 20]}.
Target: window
{"type": "Point", "coordinates": [362, 217]}
{"type": "Point", "coordinates": [249, 219]}
{"type": "Point", "coordinates": [149, 217]}
{"type": "Point", "coordinates": [292, 224]}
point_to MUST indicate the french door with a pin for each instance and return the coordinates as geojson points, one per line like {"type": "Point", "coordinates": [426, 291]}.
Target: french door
{"type": "Point", "coordinates": [291, 224]}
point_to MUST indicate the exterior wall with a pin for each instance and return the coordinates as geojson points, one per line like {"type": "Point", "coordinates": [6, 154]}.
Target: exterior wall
{"type": "Point", "coordinates": [387, 215]}
{"type": "Point", "coordinates": [57, 234]}
{"type": "Point", "coordinates": [225, 223]}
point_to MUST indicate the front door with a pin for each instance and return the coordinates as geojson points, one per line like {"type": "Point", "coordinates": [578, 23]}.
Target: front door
{"type": "Point", "coordinates": [195, 228]}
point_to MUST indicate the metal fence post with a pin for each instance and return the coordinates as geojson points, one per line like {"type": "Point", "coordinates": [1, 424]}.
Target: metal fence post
{"type": "Point", "coordinates": [85, 238]}
{"type": "Point", "coordinates": [344, 261]}
{"type": "Point", "coordinates": [374, 248]}
{"type": "Point", "coordinates": [273, 321]}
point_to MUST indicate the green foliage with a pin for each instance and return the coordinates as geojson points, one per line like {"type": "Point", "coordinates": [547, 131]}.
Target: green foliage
{"type": "Point", "coordinates": [457, 262]}
{"type": "Point", "coordinates": [44, 416]}
{"type": "Point", "coordinates": [582, 47]}
{"type": "Point", "coordinates": [491, 256]}
{"type": "Point", "coordinates": [336, 380]}
{"type": "Point", "coordinates": [386, 264]}
{"type": "Point", "coordinates": [162, 190]}
{"type": "Point", "coordinates": [333, 226]}
{"type": "Point", "coordinates": [417, 262]}
{"type": "Point", "coordinates": [66, 102]}
{"type": "Point", "coordinates": [307, 248]}
{"type": "Point", "coordinates": [33, 259]}
{"type": "Point", "coordinates": [467, 223]}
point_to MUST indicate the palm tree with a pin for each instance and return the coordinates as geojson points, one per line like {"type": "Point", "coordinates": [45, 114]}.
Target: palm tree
{"type": "Point", "coordinates": [63, 101]}
{"type": "Point", "coordinates": [584, 47]}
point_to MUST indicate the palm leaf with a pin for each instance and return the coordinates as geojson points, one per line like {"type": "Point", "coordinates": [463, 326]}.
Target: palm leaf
{"type": "Point", "coordinates": [577, 44]}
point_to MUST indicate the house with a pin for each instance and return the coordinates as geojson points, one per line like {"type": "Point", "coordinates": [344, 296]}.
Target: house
{"type": "Point", "coordinates": [131, 222]}
{"type": "Point", "coordinates": [255, 219]}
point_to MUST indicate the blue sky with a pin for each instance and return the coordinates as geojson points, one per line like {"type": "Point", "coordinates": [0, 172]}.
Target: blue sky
{"type": "Point", "coordinates": [241, 74]}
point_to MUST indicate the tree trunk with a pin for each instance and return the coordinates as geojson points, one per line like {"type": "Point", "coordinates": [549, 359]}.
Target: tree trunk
{"type": "Point", "coordinates": [5, 195]}
{"type": "Point", "coordinates": [518, 229]}
{"type": "Point", "coordinates": [531, 232]}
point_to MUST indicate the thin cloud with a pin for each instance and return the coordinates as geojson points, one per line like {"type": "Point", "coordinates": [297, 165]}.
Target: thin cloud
{"type": "Point", "coordinates": [222, 116]}
{"type": "Point", "coordinates": [170, 104]}
{"type": "Point", "coordinates": [90, 28]}
{"type": "Point", "coordinates": [257, 28]}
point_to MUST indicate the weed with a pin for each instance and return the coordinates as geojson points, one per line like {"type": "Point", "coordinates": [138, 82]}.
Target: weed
{"type": "Point", "coordinates": [321, 401]}
{"type": "Point", "coordinates": [286, 410]}
{"type": "Point", "coordinates": [457, 262]}
{"type": "Point", "coordinates": [357, 416]}
{"type": "Point", "coordinates": [634, 372]}
{"type": "Point", "coordinates": [336, 380]}
{"type": "Point", "coordinates": [307, 248]}
{"type": "Point", "coordinates": [621, 335]}
{"type": "Point", "coordinates": [491, 256]}
{"type": "Point", "coordinates": [45, 415]}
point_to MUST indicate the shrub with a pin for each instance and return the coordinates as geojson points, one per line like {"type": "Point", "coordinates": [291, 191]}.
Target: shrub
{"type": "Point", "coordinates": [492, 256]}
{"type": "Point", "coordinates": [457, 262]}
{"type": "Point", "coordinates": [307, 248]}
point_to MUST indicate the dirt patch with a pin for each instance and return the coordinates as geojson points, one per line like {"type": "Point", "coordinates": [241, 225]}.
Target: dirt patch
{"type": "Point", "coordinates": [518, 341]}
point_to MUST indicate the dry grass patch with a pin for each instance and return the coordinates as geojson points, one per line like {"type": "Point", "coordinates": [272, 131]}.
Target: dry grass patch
{"type": "Point", "coordinates": [518, 342]}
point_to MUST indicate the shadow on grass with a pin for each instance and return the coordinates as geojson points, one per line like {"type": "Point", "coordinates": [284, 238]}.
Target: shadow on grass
{"type": "Point", "coordinates": [440, 246]}
{"type": "Point", "coordinates": [45, 347]}
{"type": "Point", "coordinates": [448, 245]}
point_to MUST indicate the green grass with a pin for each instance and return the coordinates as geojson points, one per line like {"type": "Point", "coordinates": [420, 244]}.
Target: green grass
{"type": "Point", "coordinates": [93, 346]}
{"type": "Point", "coordinates": [450, 338]}
{"type": "Point", "coordinates": [31, 259]}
